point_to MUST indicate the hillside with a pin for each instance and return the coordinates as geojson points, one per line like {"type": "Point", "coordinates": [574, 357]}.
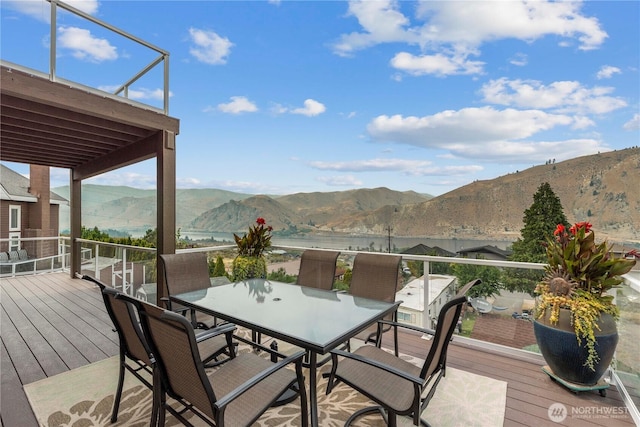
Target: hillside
{"type": "Point", "coordinates": [301, 211]}
{"type": "Point", "coordinates": [603, 189]}
{"type": "Point", "coordinates": [132, 209]}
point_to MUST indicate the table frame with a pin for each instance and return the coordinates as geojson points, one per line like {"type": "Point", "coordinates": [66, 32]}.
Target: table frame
{"type": "Point", "coordinates": [313, 348]}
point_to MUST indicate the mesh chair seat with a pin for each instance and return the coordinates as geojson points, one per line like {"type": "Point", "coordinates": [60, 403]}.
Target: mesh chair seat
{"type": "Point", "coordinates": [380, 385]}
{"type": "Point", "coordinates": [397, 386]}
{"type": "Point", "coordinates": [249, 406]}
{"type": "Point", "coordinates": [236, 394]}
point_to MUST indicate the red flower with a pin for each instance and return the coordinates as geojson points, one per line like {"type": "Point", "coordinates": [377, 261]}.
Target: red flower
{"type": "Point", "coordinates": [559, 230]}
{"type": "Point", "coordinates": [577, 226]}
{"type": "Point", "coordinates": [261, 221]}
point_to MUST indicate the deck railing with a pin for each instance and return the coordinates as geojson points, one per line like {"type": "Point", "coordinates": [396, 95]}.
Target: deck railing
{"type": "Point", "coordinates": [122, 91]}
{"type": "Point", "coordinates": [133, 269]}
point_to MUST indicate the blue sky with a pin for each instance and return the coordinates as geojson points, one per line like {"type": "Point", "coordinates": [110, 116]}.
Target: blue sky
{"type": "Point", "coordinates": [279, 97]}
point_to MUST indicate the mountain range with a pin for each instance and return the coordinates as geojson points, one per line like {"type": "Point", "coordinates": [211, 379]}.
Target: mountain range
{"type": "Point", "coordinates": [603, 189]}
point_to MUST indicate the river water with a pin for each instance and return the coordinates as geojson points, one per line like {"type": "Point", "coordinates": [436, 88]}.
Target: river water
{"type": "Point", "coordinates": [351, 242]}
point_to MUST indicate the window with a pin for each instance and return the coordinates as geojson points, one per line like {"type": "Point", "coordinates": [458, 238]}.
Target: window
{"type": "Point", "coordinates": [406, 317]}
{"type": "Point", "coordinates": [14, 242]}
{"type": "Point", "coordinates": [14, 218]}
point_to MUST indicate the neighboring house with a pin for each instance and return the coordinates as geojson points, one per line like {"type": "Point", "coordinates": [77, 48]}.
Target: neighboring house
{"type": "Point", "coordinates": [441, 289]}
{"type": "Point", "coordinates": [485, 252]}
{"type": "Point", "coordinates": [28, 208]}
{"type": "Point", "coordinates": [421, 249]}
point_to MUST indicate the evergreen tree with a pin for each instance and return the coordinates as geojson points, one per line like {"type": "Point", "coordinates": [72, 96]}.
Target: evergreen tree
{"type": "Point", "coordinates": [540, 220]}
{"type": "Point", "coordinates": [216, 269]}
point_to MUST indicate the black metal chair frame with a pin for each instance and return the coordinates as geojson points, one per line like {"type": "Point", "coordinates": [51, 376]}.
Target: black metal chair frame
{"type": "Point", "coordinates": [440, 342]}
{"type": "Point", "coordinates": [219, 404]}
{"type": "Point", "coordinates": [127, 360]}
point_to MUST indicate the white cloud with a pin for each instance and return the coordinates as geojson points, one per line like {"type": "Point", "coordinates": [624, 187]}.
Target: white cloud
{"type": "Point", "coordinates": [130, 179]}
{"type": "Point", "coordinates": [311, 108]}
{"type": "Point", "coordinates": [480, 22]}
{"type": "Point", "coordinates": [467, 125]}
{"type": "Point", "coordinates": [438, 64]}
{"type": "Point", "coordinates": [85, 46]}
{"type": "Point", "coordinates": [633, 124]}
{"type": "Point", "coordinates": [486, 133]}
{"type": "Point", "coordinates": [607, 71]}
{"type": "Point", "coordinates": [407, 167]}
{"type": "Point", "coordinates": [381, 21]}
{"type": "Point", "coordinates": [238, 104]}
{"type": "Point", "coordinates": [41, 9]}
{"type": "Point", "coordinates": [341, 181]}
{"type": "Point", "coordinates": [561, 96]}
{"type": "Point", "coordinates": [447, 33]}
{"type": "Point", "coordinates": [209, 47]}
{"type": "Point", "coordinates": [519, 59]}
{"type": "Point", "coordinates": [139, 93]}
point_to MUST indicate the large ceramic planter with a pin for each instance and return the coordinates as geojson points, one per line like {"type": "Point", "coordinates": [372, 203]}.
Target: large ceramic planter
{"type": "Point", "coordinates": [249, 267]}
{"type": "Point", "coordinates": [560, 349]}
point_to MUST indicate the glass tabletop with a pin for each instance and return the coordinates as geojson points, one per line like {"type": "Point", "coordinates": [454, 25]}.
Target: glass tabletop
{"type": "Point", "coordinates": [314, 319]}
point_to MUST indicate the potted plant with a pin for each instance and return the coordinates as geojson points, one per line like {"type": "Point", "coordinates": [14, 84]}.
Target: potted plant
{"type": "Point", "coordinates": [250, 262]}
{"type": "Point", "coordinates": [575, 316]}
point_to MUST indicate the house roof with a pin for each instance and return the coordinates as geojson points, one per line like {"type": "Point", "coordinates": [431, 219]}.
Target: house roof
{"type": "Point", "coordinates": [486, 249]}
{"type": "Point", "coordinates": [421, 249]}
{"type": "Point", "coordinates": [15, 187]}
{"type": "Point", "coordinates": [411, 293]}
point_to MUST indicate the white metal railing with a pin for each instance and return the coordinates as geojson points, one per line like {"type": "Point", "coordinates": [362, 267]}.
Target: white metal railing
{"type": "Point", "coordinates": [625, 371]}
{"type": "Point", "coordinates": [122, 92]}
{"type": "Point", "coordinates": [34, 264]}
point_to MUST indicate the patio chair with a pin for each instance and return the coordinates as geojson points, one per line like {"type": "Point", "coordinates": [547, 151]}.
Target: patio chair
{"type": "Point", "coordinates": [397, 386]}
{"type": "Point", "coordinates": [317, 269]}
{"type": "Point", "coordinates": [236, 394]}
{"type": "Point", "coordinates": [187, 272]}
{"type": "Point", "coordinates": [135, 353]}
{"type": "Point", "coordinates": [376, 276]}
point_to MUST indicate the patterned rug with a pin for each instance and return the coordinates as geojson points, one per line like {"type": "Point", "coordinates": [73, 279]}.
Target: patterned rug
{"type": "Point", "coordinates": [84, 397]}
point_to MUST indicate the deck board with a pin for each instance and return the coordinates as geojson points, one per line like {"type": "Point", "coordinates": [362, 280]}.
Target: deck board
{"type": "Point", "coordinates": [47, 320]}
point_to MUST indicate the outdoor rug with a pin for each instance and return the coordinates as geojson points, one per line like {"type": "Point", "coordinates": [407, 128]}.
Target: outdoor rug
{"type": "Point", "coordinates": [84, 397]}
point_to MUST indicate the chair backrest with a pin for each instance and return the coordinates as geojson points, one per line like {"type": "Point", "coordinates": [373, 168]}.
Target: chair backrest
{"type": "Point", "coordinates": [173, 342]}
{"type": "Point", "coordinates": [125, 321]}
{"type": "Point", "coordinates": [4, 257]}
{"type": "Point", "coordinates": [375, 276]}
{"type": "Point", "coordinates": [185, 272]}
{"type": "Point", "coordinates": [447, 322]}
{"type": "Point", "coordinates": [23, 255]}
{"type": "Point", "coordinates": [13, 256]}
{"type": "Point", "coordinates": [317, 269]}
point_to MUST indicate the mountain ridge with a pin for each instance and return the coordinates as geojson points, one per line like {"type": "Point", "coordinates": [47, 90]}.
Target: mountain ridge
{"type": "Point", "coordinates": [601, 189]}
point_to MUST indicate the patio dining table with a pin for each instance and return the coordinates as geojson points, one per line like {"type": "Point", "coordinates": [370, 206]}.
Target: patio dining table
{"type": "Point", "coordinates": [313, 319]}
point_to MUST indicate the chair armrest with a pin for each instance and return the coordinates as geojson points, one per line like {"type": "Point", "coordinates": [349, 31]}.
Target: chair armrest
{"type": "Point", "coordinates": [376, 364]}
{"type": "Point", "coordinates": [214, 332]}
{"type": "Point", "coordinates": [167, 303]}
{"type": "Point", "coordinates": [407, 326]}
{"type": "Point", "coordinates": [242, 388]}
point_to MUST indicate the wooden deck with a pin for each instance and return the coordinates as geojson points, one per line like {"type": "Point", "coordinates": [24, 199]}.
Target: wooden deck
{"type": "Point", "coordinates": [52, 323]}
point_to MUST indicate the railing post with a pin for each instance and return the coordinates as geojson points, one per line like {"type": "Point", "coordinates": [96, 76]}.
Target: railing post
{"type": "Point", "coordinates": [426, 318]}
{"type": "Point", "coordinates": [96, 273]}
{"type": "Point", "coordinates": [52, 47]}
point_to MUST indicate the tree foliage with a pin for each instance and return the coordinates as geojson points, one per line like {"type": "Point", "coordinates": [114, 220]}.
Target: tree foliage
{"type": "Point", "coordinates": [216, 268]}
{"type": "Point", "coordinates": [540, 220]}
{"type": "Point", "coordinates": [490, 276]}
